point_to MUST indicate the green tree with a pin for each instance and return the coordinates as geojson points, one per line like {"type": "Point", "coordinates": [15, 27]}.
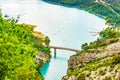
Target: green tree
{"type": "Point", "coordinates": [47, 40]}
{"type": "Point", "coordinates": [85, 46]}
{"type": "Point", "coordinates": [18, 50]}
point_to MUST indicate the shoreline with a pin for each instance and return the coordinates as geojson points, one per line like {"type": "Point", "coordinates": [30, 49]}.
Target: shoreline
{"type": "Point", "coordinates": [68, 6]}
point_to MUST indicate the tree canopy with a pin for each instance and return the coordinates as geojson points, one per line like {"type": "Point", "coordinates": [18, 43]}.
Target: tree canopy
{"type": "Point", "coordinates": [18, 48]}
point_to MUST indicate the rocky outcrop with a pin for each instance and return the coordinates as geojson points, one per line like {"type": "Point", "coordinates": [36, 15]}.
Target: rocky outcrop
{"type": "Point", "coordinates": [42, 57]}
{"type": "Point", "coordinates": [77, 63]}
{"type": "Point", "coordinates": [80, 60]}
{"type": "Point", "coordinates": [117, 76]}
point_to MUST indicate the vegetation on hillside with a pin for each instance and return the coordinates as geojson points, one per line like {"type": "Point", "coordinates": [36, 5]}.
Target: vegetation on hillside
{"type": "Point", "coordinates": [109, 10]}
{"type": "Point", "coordinates": [109, 36]}
{"type": "Point", "coordinates": [101, 69]}
{"type": "Point", "coordinates": [18, 48]}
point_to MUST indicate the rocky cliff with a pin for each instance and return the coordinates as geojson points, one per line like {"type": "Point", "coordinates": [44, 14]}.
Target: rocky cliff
{"type": "Point", "coordinates": [96, 64]}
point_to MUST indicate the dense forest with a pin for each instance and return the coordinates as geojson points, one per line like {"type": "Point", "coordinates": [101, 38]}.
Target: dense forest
{"type": "Point", "coordinates": [18, 48]}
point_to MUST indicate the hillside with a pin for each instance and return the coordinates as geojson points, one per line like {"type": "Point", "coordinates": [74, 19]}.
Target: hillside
{"type": "Point", "coordinates": [18, 48]}
{"type": "Point", "coordinates": [108, 9]}
{"type": "Point", "coordinates": [98, 63]}
{"type": "Point", "coordinates": [98, 60]}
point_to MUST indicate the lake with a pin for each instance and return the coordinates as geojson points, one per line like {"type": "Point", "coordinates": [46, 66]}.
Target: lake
{"type": "Point", "coordinates": [66, 27]}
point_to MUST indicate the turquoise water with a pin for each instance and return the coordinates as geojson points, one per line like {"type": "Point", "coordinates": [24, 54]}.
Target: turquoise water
{"type": "Point", "coordinates": [66, 27]}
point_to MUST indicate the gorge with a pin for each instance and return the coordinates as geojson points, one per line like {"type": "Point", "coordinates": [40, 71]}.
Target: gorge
{"type": "Point", "coordinates": [67, 27]}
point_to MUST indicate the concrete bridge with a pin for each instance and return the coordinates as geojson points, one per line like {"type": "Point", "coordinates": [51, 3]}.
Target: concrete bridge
{"type": "Point", "coordinates": [63, 48]}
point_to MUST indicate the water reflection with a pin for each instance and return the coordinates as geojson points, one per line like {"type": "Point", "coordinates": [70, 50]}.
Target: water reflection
{"type": "Point", "coordinates": [45, 69]}
{"type": "Point", "coordinates": [55, 56]}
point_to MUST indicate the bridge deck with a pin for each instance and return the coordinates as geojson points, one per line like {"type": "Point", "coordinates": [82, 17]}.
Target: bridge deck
{"type": "Point", "coordinates": [63, 48]}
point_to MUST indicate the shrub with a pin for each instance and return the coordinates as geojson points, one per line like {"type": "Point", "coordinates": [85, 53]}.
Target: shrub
{"type": "Point", "coordinates": [81, 77]}
{"type": "Point", "coordinates": [115, 60]}
{"type": "Point", "coordinates": [107, 78]}
{"type": "Point", "coordinates": [101, 72]}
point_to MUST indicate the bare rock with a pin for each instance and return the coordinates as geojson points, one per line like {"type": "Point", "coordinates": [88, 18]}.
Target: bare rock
{"type": "Point", "coordinates": [117, 77]}
{"type": "Point", "coordinates": [42, 57]}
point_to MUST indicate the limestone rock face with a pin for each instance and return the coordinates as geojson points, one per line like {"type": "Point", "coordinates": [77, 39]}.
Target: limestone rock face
{"type": "Point", "coordinates": [42, 57]}
{"type": "Point", "coordinates": [93, 54]}
{"type": "Point", "coordinates": [117, 77]}
{"type": "Point", "coordinates": [79, 61]}
{"type": "Point", "coordinates": [76, 62]}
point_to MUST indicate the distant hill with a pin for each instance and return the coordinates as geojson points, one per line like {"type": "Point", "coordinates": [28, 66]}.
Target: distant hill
{"type": "Point", "coordinates": [114, 4]}
{"type": "Point", "coordinates": [108, 9]}
{"type": "Point", "coordinates": [112, 1]}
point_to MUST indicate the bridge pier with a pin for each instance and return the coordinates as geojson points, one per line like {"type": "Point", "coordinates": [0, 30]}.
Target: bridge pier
{"type": "Point", "coordinates": [54, 50]}
{"type": "Point", "coordinates": [55, 53]}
